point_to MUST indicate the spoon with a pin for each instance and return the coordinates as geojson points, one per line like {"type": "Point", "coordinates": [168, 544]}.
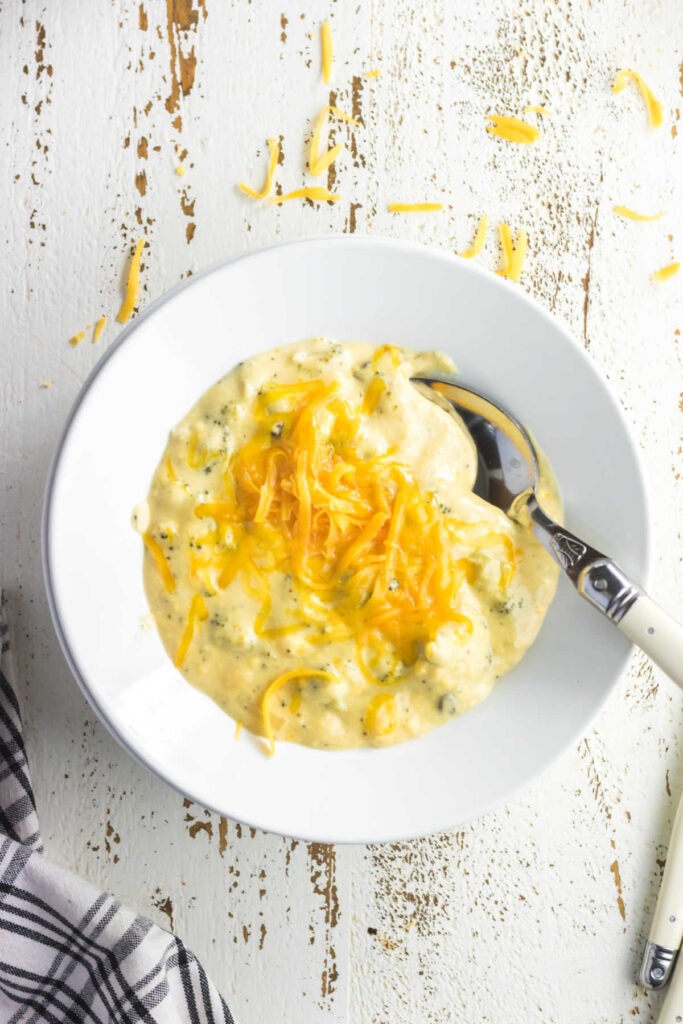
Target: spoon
{"type": "Point", "coordinates": [508, 477]}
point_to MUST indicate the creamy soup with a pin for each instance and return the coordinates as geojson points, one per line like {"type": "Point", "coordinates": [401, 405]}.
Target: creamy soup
{"type": "Point", "coordinates": [316, 561]}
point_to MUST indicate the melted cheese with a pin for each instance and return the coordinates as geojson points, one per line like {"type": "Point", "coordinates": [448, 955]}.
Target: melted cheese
{"type": "Point", "coordinates": [314, 545]}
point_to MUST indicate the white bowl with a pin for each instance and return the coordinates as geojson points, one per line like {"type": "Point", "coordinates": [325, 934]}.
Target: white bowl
{"type": "Point", "coordinates": [364, 289]}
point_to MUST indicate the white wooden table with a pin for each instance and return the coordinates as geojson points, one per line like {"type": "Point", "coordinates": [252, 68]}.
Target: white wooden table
{"type": "Point", "coordinates": [536, 912]}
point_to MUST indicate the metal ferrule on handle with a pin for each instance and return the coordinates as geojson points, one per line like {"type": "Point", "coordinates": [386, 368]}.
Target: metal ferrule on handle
{"type": "Point", "coordinates": [607, 587]}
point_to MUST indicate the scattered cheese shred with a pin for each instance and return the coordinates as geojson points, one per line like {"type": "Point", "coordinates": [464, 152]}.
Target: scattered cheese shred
{"type": "Point", "coordinates": [414, 207]}
{"type": "Point", "coordinates": [478, 240]}
{"type": "Point", "coordinates": [274, 150]}
{"type": "Point", "coordinates": [315, 193]}
{"type": "Point", "coordinates": [76, 339]}
{"type": "Point", "coordinates": [132, 285]}
{"type": "Point", "coordinates": [46, 384]}
{"type": "Point", "coordinates": [666, 272]}
{"type": "Point", "coordinates": [624, 211]}
{"type": "Point", "coordinates": [534, 109]}
{"type": "Point", "coordinates": [198, 613]}
{"type": "Point", "coordinates": [327, 50]}
{"type": "Point", "coordinates": [513, 255]}
{"type": "Point", "coordinates": [317, 163]}
{"type": "Point", "coordinates": [276, 684]}
{"type": "Point", "coordinates": [652, 106]}
{"type": "Point", "coordinates": [99, 327]}
{"type": "Point", "coordinates": [511, 129]}
{"type": "Point", "coordinates": [180, 171]}
{"type": "Point", "coordinates": [374, 73]}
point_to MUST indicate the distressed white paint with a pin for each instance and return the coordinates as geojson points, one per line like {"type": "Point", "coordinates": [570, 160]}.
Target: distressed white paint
{"type": "Point", "coordinates": [517, 917]}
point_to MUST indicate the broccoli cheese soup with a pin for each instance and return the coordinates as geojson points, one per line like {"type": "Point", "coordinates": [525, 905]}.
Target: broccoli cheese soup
{"type": "Point", "coordinates": [316, 561]}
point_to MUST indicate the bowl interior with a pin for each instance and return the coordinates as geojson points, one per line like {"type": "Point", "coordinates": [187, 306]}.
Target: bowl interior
{"type": "Point", "coordinates": [350, 289]}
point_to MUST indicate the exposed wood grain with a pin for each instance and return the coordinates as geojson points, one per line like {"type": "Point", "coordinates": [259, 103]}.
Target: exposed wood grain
{"type": "Point", "coordinates": [127, 120]}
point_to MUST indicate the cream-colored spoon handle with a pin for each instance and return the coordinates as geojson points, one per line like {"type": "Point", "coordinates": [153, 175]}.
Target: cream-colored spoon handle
{"type": "Point", "coordinates": [656, 633]}
{"type": "Point", "coordinates": [666, 931]}
{"type": "Point", "coordinates": [672, 1007]}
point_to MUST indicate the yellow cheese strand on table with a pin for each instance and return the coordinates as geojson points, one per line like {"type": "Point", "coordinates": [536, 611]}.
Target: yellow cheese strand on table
{"type": "Point", "coordinates": [327, 51]}
{"type": "Point", "coordinates": [76, 339]}
{"type": "Point", "coordinates": [414, 207]}
{"type": "Point", "coordinates": [512, 129]}
{"type": "Point", "coordinates": [666, 272]}
{"type": "Point", "coordinates": [624, 211]}
{"type": "Point", "coordinates": [317, 163]}
{"type": "Point", "coordinates": [99, 327]}
{"type": "Point", "coordinates": [513, 255]}
{"type": "Point", "coordinates": [653, 107]}
{"type": "Point", "coordinates": [274, 150]}
{"type": "Point", "coordinates": [479, 239]}
{"type": "Point", "coordinates": [535, 109]}
{"type": "Point", "coordinates": [276, 684]}
{"type": "Point", "coordinates": [132, 285]}
{"type": "Point", "coordinates": [374, 73]}
{"type": "Point", "coordinates": [314, 192]}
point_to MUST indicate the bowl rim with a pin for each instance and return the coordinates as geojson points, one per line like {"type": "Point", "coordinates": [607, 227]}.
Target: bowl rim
{"type": "Point", "coordinates": [371, 242]}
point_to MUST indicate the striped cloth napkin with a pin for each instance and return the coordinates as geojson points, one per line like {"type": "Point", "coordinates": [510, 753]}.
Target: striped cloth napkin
{"type": "Point", "coordinates": [68, 952]}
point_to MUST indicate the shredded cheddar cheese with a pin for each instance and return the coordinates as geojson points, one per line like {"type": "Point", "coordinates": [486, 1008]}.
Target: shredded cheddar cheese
{"type": "Point", "coordinates": [414, 207]}
{"type": "Point", "coordinates": [180, 171]}
{"type": "Point", "coordinates": [374, 73]}
{"type": "Point", "coordinates": [478, 240]}
{"type": "Point", "coordinates": [313, 514]}
{"type": "Point", "coordinates": [535, 109]}
{"type": "Point", "coordinates": [314, 193]}
{"type": "Point", "coordinates": [132, 285]}
{"type": "Point", "coordinates": [347, 528]}
{"type": "Point", "coordinates": [317, 163]}
{"type": "Point", "coordinates": [198, 613]}
{"type": "Point", "coordinates": [512, 129]}
{"type": "Point", "coordinates": [327, 50]}
{"type": "Point", "coordinates": [76, 339]}
{"type": "Point", "coordinates": [157, 552]}
{"type": "Point", "coordinates": [99, 327]}
{"type": "Point", "coordinates": [666, 272]}
{"type": "Point", "coordinates": [624, 211]}
{"type": "Point", "coordinates": [274, 150]}
{"type": "Point", "coordinates": [512, 255]}
{"type": "Point", "coordinates": [276, 684]}
{"type": "Point", "coordinates": [653, 107]}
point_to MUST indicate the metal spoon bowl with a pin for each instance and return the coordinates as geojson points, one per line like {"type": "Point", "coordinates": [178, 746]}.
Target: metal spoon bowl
{"type": "Point", "coordinates": [508, 475]}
